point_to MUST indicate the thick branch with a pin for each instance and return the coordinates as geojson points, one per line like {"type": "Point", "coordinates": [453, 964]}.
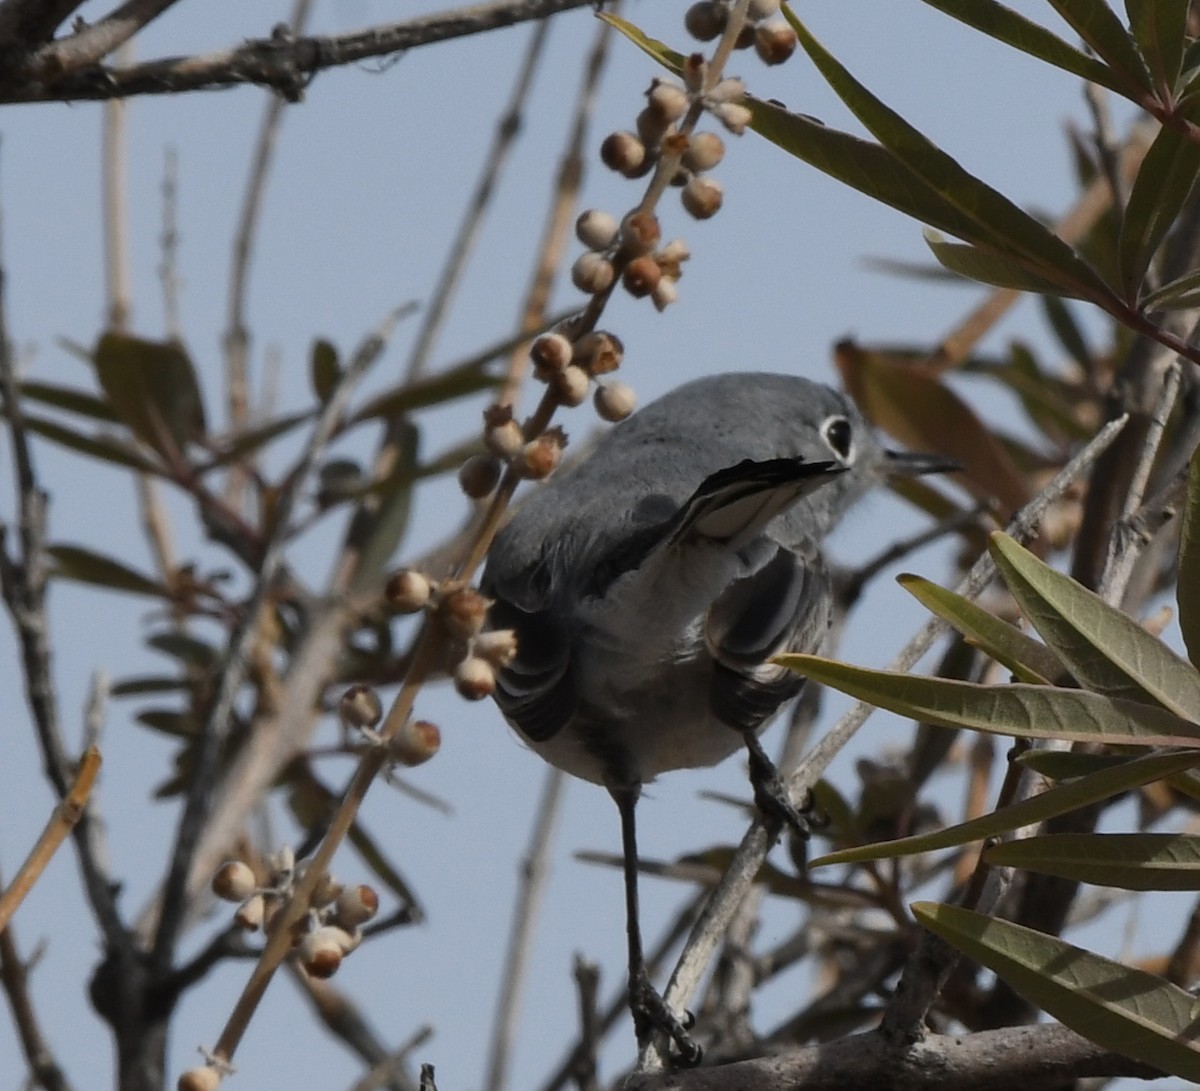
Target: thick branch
{"type": "Point", "coordinates": [282, 62]}
{"type": "Point", "coordinates": [996, 1060]}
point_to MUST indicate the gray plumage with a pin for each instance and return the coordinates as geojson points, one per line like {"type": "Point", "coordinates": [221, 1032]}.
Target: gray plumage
{"type": "Point", "coordinates": [643, 637]}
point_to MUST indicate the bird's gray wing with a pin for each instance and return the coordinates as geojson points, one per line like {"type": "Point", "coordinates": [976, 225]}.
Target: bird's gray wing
{"type": "Point", "coordinates": [784, 606]}
{"type": "Point", "coordinates": [536, 691]}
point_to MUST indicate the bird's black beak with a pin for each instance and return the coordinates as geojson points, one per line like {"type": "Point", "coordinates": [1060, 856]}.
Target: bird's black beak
{"type": "Point", "coordinates": [914, 463]}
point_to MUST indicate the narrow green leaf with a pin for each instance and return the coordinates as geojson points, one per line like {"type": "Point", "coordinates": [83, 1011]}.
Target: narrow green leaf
{"type": "Point", "coordinates": [190, 649]}
{"type": "Point", "coordinates": [1179, 294]}
{"type": "Point", "coordinates": [1187, 588]}
{"type": "Point", "coordinates": [378, 526]}
{"type": "Point", "coordinates": [324, 369]}
{"type": "Point", "coordinates": [1127, 861]}
{"type": "Point", "coordinates": [459, 382]}
{"type": "Point", "coordinates": [1028, 659]}
{"type": "Point", "coordinates": [1097, 24]}
{"type": "Point", "coordinates": [1123, 1009]}
{"type": "Point", "coordinates": [245, 443]}
{"type": "Point", "coordinates": [1061, 799]}
{"type": "Point", "coordinates": [1023, 711]}
{"type": "Point", "coordinates": [87, 566]}
{"type": "Point", "coordinates": [82, 402]}
{"type": "Point", "coordinates": [858, 163]}
{"type": "Point", "coordinates": [1160, 30]}
{"type": "Point", "coordinates": [1067, 330]}
{"type": "Point", "coordinates": [146, 684]}
{"type": "Point", "coordinates": [997, 222]}
{"type": "Point", "coordinates": [168, 721]}
{"type": "Point", "coordinates": [152, 385]}
{"type": "Point", "coordinates": [104, 448]}
{"type": "Point", "coordinates": [1067, 764]}
{"type": "Point", "coordinates": [1164, 182]}
{"type": "Point", "coordinates": [661, 52]}
{"type": "Point", "coordinates": [1007, 26]}
{"type": "Point", "coordinates": [1106, 650]}
{"type": "Point", "coordinates": [987, 267]}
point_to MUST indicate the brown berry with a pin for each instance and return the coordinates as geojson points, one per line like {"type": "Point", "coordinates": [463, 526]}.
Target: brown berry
{"type": "Point", "coordinates": [596, 229]}
{"type": "Point", "coordinates": [624, 153]}
{"type": "Point", "coordinates": [614, 401]}
{"type": "Point", "coordinates": [322, 949]}
{"type": "Point", "coordinates": [478, 476]}
{"type": "Point", "coordinates": [651, 127]}
{"type": "Point", "coordinates": [668, 100]}
{"type": "Point", "coordinates": [463, 612]}
{"type": "Point", "coordinates": [360, 706]}
{"type": "Point", "coordinates": [540, 457]}
{"type": "Point", "coordinates": [599, 352]}
{"type": "Point", "coordinates": [704, 151]}
{"type": "Point", "coordinates": [640, 233]}
{"type": "Point", "coordinates": [702, 197]}
{"type": "Point", "coordinates": [705, 20]}
{"type": "Point", "coordinates": [251, 913]}
{"type": "Point", "coordinates": [234, 881]}
{"type": "Point", "coordinates": [551, 352]}
{"type": "Point", "coordinates": [356, 905]}
{"type": "Point", "coordinates": [474, 678]}
{"type": "Point", "coordinates": [641, 276]}
{"type": "Point", "coordinates": [774, 42]}
{"type": "Point", "coordinates": [415, 743]}
{"type": "Point", "coordinates": [407, 591]}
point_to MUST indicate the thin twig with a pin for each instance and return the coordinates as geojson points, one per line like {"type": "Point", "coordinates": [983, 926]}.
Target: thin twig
{"type": "Point", "coordinates": [235, 661]}
{"type": "Point", "coordinates": [97, 40]}
{"type": "Point", "coordinates": [168, 268]}
{"type": "Point", "coordinates": [753, 849]}
{"type": "Point", "coordinates": [66, 814]}
{"type": "Point", "coordinates": [116, 211]}
{"type": "Point", "coordinates": [44, 1071]}
{"type": "Point", "coordinates": [237, 337]}
{"type": "Point", "coordinates": [494, 163]}
{"type": "Point", "coordinates": [285, 63]}
{"type": "Point", "coordinates": [587, 980]}
{"type": "Point", "coordinates": [385, 1073]}
{"type": "Point", "coordinates": [535, 871]}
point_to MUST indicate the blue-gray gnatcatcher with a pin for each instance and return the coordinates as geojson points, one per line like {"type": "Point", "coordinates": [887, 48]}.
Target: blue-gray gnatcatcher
{"type": "Point", "coordinates": [650, 585]}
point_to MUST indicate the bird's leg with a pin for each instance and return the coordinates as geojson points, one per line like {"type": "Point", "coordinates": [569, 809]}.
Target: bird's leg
{"type": "Point", "coordinates": [771, 794]}
{"type": "Point", "coordinates": [649, 1010]}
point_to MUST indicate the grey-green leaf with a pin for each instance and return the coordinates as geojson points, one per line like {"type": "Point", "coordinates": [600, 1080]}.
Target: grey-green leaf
{"type": "Point", "coordinates": [1123, 1009]}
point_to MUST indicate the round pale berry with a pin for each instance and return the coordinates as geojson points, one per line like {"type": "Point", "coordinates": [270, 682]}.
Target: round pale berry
{"type": "Point", "coordinates": [702, 197]}
{"type": "Point", "coordinates": [614, 401]}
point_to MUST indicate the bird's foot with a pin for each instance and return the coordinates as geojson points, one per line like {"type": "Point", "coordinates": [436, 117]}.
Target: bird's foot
{"type": "Point", "coordinates": [771, 795]}
{"type": "Point", "coordinates": [651, 1015]}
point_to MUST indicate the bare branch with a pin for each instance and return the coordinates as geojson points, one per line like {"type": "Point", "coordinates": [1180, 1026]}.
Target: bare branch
{"type": "Point", "coordinates": [284, 63]}
{"type": "Point", "coordinates": [1031, 1058]}
{"type": "Point", "coordinates": [91, 43]}
{"type": "Point", "coordinates": [44, 1071]}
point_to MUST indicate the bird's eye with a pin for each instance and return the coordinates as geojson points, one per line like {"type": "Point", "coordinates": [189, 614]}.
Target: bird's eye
{"type": "Point", "coordinates": [840, 436]}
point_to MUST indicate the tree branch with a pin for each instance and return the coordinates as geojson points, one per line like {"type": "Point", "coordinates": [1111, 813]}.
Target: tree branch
{"type": "Point", "coordinates": [282, 62]}
{"type": "Point", "coordinates": [996, 1060]}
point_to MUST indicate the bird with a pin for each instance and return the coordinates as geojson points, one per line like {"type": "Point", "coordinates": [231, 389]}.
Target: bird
{"type": "Point", "coordinates": [650, 585]}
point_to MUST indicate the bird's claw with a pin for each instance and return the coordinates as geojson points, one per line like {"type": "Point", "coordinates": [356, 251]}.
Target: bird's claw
{"type": "Point", "coordinates": [651, 1014]}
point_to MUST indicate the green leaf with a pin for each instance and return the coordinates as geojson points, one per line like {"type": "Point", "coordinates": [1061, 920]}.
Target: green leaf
{"type": "Point", "coordinates": [1123, 1009]}
{"type": "Point", "coordinates": [996, 221]}
{"type": "Point", "coordinates": [1187, 589]}
{"type": "Point", "coordinates": [152, 386]}
{"type": "Point", "coordinates": [662, 53]}
{"type": "Point", "coordinates": [1127, 861]}
{"type": "Point", "coordinates": [379, 524]}
{"type": "Point", "coordinates": [87, 566]}
{"type": "Point", "coordinates": [459, 382]}
{"type": "Point", "coordinates": [168, 721]}
{"type": "Point", "coordinates": [1068, 331]}
{"type": "Point", "coordinates": [324, 370]}
{"type": "Point", "coordinates": [82, 402]}
{"type": "Point", "coordinates": [1061, 799]}
{"type": "Point", "coordinates": [1023, 711]}
{"type": "Point", "coordinates": [1179, 294]}
{"type": "Point", "coordinates": [988, 267]}
{"type": "Point", "coordinates": [1160, 30]}
{"type": "Point", "coordinates": [244, 443]}
{"type": "Point", "coordinates": [146, 684]}
{"type": "Point", "coordinates": [104, 448]}
{"type": "Point", "coordinates": [1096, 23]}
{"type": "Point", "coordinates": [1106, 650]}
{"type": "Point", "coordinates": [190, 649]}
{"type": "Point", "coordinates": [1164, 182]}
{"type": "Point", "coordinates": [1005, 25]}
{"type": "Point", "coordinates": [1067, 764]}
{"type": "Point", "coordinates": [1029, 660]}
{"type": "Point", "coordinates": [857, 163]}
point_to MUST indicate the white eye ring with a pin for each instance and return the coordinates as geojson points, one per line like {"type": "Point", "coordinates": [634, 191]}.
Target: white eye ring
{"type": "Point", "coordinates": [838, 434]}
